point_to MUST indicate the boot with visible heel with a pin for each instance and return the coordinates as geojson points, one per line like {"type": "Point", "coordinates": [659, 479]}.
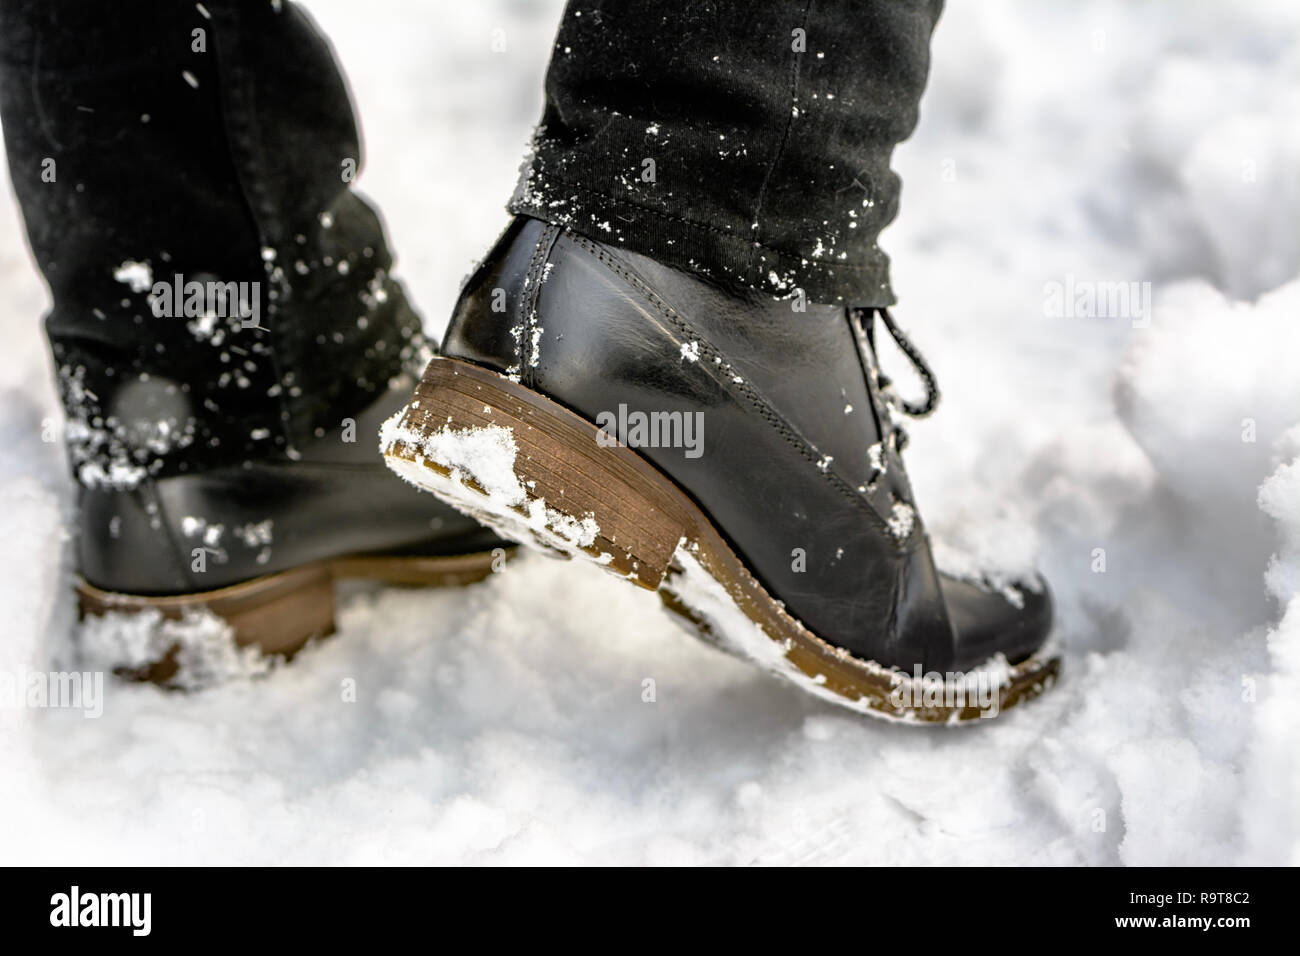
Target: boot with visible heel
{"type": "Point", "coordinates": [533, 424]}
{"type": "Point", "coordinates": [261, 546]}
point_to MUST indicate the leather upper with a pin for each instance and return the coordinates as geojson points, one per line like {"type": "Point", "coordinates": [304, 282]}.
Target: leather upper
{"type": "Point", "coordinates": [792, 439]}
{"type": "Point", "coordinates": [217, 527]}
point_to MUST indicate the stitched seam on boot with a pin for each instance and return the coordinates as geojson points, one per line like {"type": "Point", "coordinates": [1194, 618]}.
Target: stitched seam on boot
{"type": "Point", "coordinates": [747, 391]}
{"type": "Point", "coordinates": [167, 532]}
{"type": "Point", "coordinates": [529, 352]}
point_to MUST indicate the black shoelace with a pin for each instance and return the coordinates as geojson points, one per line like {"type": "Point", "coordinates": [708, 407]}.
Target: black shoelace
{"type": "Point", "coordinates": [864, 318]}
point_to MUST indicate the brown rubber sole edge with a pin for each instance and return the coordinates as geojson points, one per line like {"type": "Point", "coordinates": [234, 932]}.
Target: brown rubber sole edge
{"type": "Point", "coordinates": [609, 505]}
{"type": "Point", "coordinates": [280, 613]}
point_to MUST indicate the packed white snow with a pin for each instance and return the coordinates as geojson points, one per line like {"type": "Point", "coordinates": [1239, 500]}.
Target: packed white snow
{"type": "Point", "coordinates": [482, 482]}
{"type": "Point", "coordinates": [1149, 463]}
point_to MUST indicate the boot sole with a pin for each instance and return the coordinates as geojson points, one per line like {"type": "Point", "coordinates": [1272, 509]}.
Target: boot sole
{"type": "Point", "coordinates": [534, 471]}
{"type": "Point", "coordinates": [279, 613]}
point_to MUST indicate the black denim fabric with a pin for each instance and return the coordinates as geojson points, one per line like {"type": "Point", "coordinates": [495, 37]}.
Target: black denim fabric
{"type": "Point", "coordinates": [136, 156]}
{"type": "Point", "coordinates": [769, 124]}
{"type": "Point", "coordinates": [216, 142]}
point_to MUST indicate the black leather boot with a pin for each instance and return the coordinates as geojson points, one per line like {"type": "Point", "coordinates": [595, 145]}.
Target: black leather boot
{"type": "Point", "coordinates": [737, 456]}
{"type": "Point", "coordinates": [260, 545]}
{"type": "Point", "coordinates": [225, 327]}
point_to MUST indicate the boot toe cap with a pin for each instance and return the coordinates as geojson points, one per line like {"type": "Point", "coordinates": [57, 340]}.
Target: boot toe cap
{"type": "Point", "coordinates": [1014, 621]}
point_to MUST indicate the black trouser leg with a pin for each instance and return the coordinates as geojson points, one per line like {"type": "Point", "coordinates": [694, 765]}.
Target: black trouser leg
{"type": "Point", "coordinates": [746, 139]}
{"type": "Point", "coordinates": [154, 144]}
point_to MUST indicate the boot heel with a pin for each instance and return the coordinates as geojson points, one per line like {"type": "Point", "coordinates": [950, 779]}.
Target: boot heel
{"type": "Point", "coordinates": [278, 614]}
{"type": "Point", "coordinates": [534, 472]}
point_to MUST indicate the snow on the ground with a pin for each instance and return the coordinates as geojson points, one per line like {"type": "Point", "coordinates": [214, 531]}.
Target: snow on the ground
{"type": "Point", "coordinates": [1084, 143]}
